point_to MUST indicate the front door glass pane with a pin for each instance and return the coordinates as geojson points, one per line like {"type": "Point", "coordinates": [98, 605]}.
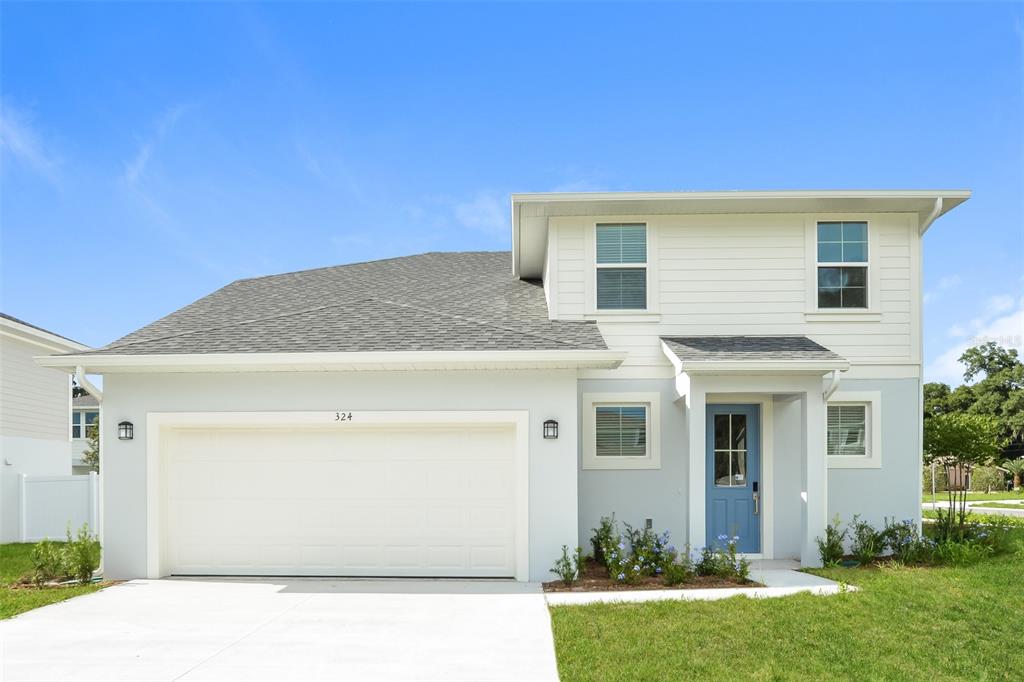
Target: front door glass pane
{"type": "Point", "coordinates": [730, 450]}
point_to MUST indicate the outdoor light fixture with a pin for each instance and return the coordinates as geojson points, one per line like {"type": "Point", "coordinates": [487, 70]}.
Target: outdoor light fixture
{"type": "Point", "coordinates": [551, 429]}
{"type": "Point", "coordinates": [125, 431]}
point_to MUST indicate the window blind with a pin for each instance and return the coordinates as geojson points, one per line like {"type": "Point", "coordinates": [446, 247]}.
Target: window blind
{"type": "Point", "coordinates": [846, 430]}
{"type": "Point", "coordinates": [621, 431]}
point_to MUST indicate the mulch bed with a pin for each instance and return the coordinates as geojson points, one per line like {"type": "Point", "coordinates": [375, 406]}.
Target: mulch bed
{"type": "Point", "coordinates": [595, 579]}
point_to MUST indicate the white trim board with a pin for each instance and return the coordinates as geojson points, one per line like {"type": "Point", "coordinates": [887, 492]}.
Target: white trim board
{"type": "Point", "coordinates": [158, 422]}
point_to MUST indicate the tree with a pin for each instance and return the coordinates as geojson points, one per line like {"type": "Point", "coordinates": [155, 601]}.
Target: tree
{"type": "Point", "coordinates": [91, 456]}
{"type": "Point", "coordinates": [76, 390]}
{"type": "Point", "coordinates": [1016, 469]}
{"type": "Point", "coordinates": [965, 441]}
{"type": "Point", "coordinates": [999, 389]}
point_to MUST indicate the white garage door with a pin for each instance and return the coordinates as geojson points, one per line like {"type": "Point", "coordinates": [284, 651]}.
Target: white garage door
{"type": "Point", "coordinates": [374, 501]}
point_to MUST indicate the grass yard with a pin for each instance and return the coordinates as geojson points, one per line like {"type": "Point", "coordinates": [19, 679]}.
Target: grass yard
{"type": "Point", "coordinates": [999, 505]}
{"type": "Point", "coordinates": [942, 496]}
{"type": "Point", "coordinates": [14, 563]}
{"type": "Point", "coordinates": [904, 624]}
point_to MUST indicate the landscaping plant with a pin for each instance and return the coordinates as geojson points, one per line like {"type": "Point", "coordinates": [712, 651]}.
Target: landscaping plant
{"type": "Point", "coordinates": [964, 441]}
{"type": "Point", "coordinates": [605, 535]}
{"type": "Point", "coordinates": [47, 559]}
{"type": "Point", "coordinates": [569, 568]}
{"type": "Point", "coordinates": [830, 548]}
{"type": "Point", "coordinates": [82, 554]}
{"type": "Point", "coordinates": [867, 543]}
{"type": "Point", "coordinates": [1015, 467]}
{"type": "Point", "coordinates": [724, 562]}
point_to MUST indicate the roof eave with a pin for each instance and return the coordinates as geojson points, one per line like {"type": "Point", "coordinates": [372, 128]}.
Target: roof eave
{"type": "Point", "coordinates": [40, 337]}
{"type": "Point", "coordinates": [817, 367]}
{"type": "Point", "coordinates": [356, 361]}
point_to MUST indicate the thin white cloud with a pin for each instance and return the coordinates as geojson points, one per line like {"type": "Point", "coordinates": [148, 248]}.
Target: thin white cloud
{"type": "Point", "coordinates": [135, 167]}
{"type": "Point", "coordinates": [1006, 329]}
{"type": "Point", "coordinates": [487, 212]}
{"type": "Point", "coordinates": [956, 331]}
{"type": "Point", "coordinates": [20, 139]}
{"type": "Point", "coordinates": [946, 283]}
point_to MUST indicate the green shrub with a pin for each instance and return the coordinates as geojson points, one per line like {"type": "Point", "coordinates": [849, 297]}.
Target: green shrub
{"type": "Point", "coordinates": [987, 479]}
{"type": "Point", "coordinates": [960, 553]}
{"type": "Point", "coordinates": [905, 542]}
{"type": "Point", "coordinates": [941, 479]}
{"type": "Point", "coordinates": [830, 548]}
{"type": "Point", "coordinates": [650, 550]}
{"type": "Point", "coordinates": [723, 563]}
{"type": "Point", "coordinates": [82, 554]}
{"type": "Point", "coordinates": [678, 573]}
{"type": "Point", "coordinates": [48, 564]}
{"type": "Point", "coordinates": [867, 542]}
{"type": "Point", "coordinates": [568, 567]}
{"type": "Point", "coordinates": [605, 535]}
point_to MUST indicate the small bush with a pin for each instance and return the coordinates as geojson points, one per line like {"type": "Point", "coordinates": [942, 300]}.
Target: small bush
{"type": "Point", "coordinates": [987, 479]}
{"type": "Point", "coordinates": [605, 535]}
{"type": "Point", "coordinates": [568, 567]}
{"type": "Point", "coordinates": [651, 550]}
{"type": "Point", "coordinates": [905, 542]}
{"type": "Point", "coordinates": [48, 564]}
{"type": "Point", "coordinates": [677, 574]}
{"type": "Point", "coordinates": [830, 548]}
{"type": "Point", "coordinates": [723, 563]}
{"type": "Point", "coordinates": [867, 542]}
{"type": "Point", "coordinates": [82, 554]}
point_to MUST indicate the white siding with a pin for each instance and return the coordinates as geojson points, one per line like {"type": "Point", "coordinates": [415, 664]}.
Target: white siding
{"type": "Point", "coordinates": [747, 274]}
{"type": "Point", "coordinates": [35, 402]}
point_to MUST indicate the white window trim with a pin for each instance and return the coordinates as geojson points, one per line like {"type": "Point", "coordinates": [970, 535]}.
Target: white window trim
{"type": "Point", "coordinates": [82, 411]}
{"type": "Point", "coordinates": [652, 401]}
{"type": "Point", "coordinates": [648, 314]}
{"type": "Point", "coordinates": [815, 314]}
{"type": "Point", "coordinates": [873, 430]}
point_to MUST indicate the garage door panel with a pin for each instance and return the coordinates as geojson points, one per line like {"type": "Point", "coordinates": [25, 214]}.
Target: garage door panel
{"type": "Point", "coordinates": [405, 501]}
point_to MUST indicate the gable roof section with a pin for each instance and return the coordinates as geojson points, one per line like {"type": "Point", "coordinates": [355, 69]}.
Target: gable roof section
{"type": "Point", "coordinates": [430, 302]}
{"type": "Point", "coordinates": [34, 334]}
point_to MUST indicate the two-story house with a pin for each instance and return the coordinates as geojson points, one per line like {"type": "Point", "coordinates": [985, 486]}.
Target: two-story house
{"type": "Point", "coordinates": [35, 414]}
{"type": "Point", "coordinates": [740, 363]}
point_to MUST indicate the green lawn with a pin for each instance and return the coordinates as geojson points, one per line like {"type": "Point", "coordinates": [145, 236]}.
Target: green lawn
{"type": "Point", "coordinates": [904, 624]}
{"type": "Point", "coordinates": [14, 563]}
{"type": "Point", "coordinates": [999, 505]}
{"type": "Point", "coordinates": [977, 497]}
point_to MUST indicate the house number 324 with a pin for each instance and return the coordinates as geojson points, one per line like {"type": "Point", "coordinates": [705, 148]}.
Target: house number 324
{"type": "Point", "coordinates": [342, 416]}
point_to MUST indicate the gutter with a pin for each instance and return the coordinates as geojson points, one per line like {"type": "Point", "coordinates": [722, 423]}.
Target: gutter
{"type": "Point", "coordinates": [82, 381]}
{"type": "Point", "coordinates": [833, 386]}
{"type": "Point", "coordinates": [930, 218]}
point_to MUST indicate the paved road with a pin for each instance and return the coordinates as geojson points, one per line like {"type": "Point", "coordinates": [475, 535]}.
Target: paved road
{"type": "Point", "coordinates": [977, 507]}
{"type": "Point", "coordinates": [293, 629]}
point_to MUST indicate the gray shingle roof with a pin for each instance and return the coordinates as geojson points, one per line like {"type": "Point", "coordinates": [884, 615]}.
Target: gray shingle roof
{"type": "Point", "coordinates": [87, 400]}
{"type": "Point", "coordinates": [750, 348]}
{"type": "Point", "coordinates": [430, 302]}
{"type": "Point", "coordinates": [12, 318]}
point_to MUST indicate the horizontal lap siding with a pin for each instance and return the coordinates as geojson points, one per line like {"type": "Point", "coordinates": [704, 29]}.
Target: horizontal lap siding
{"type": "Point", "coordinates": [746, 274]}
{"type": "Point", "coordinates": [34, 400]}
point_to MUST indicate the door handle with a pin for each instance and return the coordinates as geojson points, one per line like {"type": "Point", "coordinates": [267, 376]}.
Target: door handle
{"type": "Point", "coordinates": [757, 499]}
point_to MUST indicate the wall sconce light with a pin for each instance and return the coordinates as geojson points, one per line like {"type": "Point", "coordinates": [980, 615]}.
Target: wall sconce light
{"type": "Point", "coordinates": [551, 429]}
{"type": "Point", "coordinates": [125, 431]}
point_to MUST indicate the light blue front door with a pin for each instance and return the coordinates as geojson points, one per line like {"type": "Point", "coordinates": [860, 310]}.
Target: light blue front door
{"type": "Point", "coordinates": [734, 475]}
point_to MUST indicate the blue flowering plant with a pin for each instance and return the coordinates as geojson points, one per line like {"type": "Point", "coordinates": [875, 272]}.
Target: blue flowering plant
{"type": "Point", "coordinates": [723, 561]}
{"type": "Point", "coordinates": [605, 535]}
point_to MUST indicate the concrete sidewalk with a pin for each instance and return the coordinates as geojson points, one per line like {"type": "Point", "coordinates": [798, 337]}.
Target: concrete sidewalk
{"type": "Point", "coordinates": [286, 629]}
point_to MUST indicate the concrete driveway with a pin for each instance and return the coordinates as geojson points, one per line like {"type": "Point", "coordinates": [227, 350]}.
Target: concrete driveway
{"type": "Point", "coordinates": [286, 629]}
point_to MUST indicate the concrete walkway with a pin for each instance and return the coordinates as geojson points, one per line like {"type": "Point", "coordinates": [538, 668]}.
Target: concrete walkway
{"type": "Point", "coordinates": [286, 629]}
{"type": "Point", "coordinates": [779, 577]}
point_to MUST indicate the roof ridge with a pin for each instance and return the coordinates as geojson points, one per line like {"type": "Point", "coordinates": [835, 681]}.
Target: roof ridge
{"type": "Point", "coordinates": [362, 262]}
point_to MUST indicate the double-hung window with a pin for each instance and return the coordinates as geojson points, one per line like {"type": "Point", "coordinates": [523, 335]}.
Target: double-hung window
{"type": "Point", "coordinates": [853, 430]}
{"type": "Point", "coordinates": [620, 431]}
{"type": "Point", "coordinates": [621, 266]}
{"type": "Point", "coordinates": [842, 264]}
{"type": "Point", "coordinates": [82, 422]}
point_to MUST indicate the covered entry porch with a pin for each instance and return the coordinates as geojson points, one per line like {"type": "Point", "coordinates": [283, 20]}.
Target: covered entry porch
{"type": "Point", "coordinates": [755, 412]}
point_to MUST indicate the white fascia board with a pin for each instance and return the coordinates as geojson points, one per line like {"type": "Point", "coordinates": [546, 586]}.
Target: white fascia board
{"type": "Point", "coordinates": [820, 367]}
{"type": "Point", "coordinates": [38, 337]}
{"type": "Point", "coordinates": [298, 362]}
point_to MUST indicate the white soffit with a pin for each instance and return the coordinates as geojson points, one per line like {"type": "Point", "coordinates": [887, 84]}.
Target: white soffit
{"type": "Point", "coordinates": [530, 212]}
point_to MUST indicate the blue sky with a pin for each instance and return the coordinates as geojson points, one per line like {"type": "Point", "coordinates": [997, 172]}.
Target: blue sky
{"type": "Point", "coordinates": [153, 153]}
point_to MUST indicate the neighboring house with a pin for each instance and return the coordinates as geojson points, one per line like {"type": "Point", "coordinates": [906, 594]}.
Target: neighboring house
{"type": "Point", "coordinates": [85, 416]}
{"type": "Point", "coordinates": [35, 411]}
{"type": "Point", "coordinates": [746, 363]}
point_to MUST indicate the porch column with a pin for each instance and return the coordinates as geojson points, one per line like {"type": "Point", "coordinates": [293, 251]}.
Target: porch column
{"type": "Point", "coordinates": [815, 478]}
{"type": "Point", "coordinates": [695, 418]}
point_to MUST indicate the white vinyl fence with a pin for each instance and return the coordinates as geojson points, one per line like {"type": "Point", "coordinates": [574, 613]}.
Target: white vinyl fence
{"type": "Point", "coordinates": [50, 503]}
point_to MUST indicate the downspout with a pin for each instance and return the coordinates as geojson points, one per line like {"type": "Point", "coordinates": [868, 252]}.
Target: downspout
{"type": "Point", "coordinates": [86, 384]}
{"type": "Point", "coordinates": [832, 386]}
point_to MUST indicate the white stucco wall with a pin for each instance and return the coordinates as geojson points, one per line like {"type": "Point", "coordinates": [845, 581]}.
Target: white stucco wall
{"type": "Point", "coordinates": [547, 394]}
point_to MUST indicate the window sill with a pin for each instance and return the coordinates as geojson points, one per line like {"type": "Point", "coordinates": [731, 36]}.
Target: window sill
{"type": "Point", "coordinates": [841, 315]}
{"type": "Point", "coordinates": [844, 462]}
{"type": "Point", "coordinates": [625, 315]}
{"type": "Point", "coordinates": [620, 463]}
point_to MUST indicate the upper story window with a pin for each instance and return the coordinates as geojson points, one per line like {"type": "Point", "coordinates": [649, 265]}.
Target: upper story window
{"type": "Point", "coordinates": [621, 266]}
{"type": "Point", "coordinates": [843, 264]}
{"type": "Point", "coordinates": [82, 421]}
